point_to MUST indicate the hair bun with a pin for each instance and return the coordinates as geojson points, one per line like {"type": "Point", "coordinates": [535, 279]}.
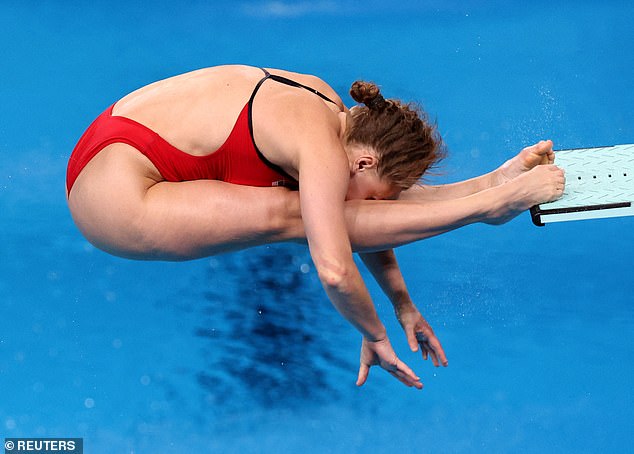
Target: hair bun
{"type": "Point", "coordinates": [368, 94]}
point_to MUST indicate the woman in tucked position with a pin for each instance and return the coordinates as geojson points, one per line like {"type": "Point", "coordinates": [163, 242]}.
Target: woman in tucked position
{"type": "Point", "coordinates": [205, 163]}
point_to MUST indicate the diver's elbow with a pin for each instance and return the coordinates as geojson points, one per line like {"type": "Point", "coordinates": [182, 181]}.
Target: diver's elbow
{"type": "Point", "coordinates": [335, 275]}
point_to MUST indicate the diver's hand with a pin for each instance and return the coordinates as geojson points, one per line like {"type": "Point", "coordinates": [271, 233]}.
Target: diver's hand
{"type": "Point", "coordinates": [530, 157]}
{"type": "Point", "coordinates": [381, 353]}
{"type": "Point", "coordinates": [420, 334]}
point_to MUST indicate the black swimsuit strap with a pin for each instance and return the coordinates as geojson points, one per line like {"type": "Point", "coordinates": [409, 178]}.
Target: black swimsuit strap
{"type": "Point", "coordinates": [292, 83]}
{"type": "Point", "coordinates": [286, 81]}
{"type": "Point", "coordinates": [257, 87]}
{"type": "Point", "coordinates": [290, 183]}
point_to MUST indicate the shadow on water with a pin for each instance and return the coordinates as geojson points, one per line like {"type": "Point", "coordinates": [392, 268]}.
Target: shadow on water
{"type": "Point", "coordinates": [269, 334]}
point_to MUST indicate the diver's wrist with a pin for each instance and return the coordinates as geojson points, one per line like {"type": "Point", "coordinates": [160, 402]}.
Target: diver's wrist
{"type": "Point", "coordinates": [378, 336]}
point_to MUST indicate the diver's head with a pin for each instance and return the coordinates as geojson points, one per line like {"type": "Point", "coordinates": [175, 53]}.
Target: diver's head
{"type": "Point", "coordinates": [393, 140]}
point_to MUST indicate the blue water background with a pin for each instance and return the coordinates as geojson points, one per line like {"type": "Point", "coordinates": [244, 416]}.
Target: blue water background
{"type": "Point", "coordinates": [243, 352]}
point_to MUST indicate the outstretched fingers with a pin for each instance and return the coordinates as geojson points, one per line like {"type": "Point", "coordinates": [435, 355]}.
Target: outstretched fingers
{"type": "Point", "coordinates": [430, 347]}
{"type": "Point", "coordinates": [402, 372]}
{"type": "Point", "coordinates": [399, 371]}
{"type": "Point", "coordinates": [381, 353]}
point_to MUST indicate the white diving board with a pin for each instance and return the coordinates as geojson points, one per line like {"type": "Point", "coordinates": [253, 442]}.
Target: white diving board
{"type": "Point", "coordinates": [599, 184]}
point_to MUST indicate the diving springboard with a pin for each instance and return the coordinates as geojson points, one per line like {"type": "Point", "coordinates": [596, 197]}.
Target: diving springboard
{"type": "Point", "coordinates": [599, 184]}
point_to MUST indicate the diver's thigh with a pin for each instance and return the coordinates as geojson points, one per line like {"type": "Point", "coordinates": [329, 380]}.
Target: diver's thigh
{"type": "Point", "coordinates": [106, 201]}
{"type": "Point", "coordinates": [205, 217]}
{"type": "Point", "coordinates": [119, 208]}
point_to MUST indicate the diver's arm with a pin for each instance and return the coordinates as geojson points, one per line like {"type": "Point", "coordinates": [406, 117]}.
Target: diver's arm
{"type": "Point", "coordinates": [386, 272]}
{"type": "Point", "coordinates": [322, 185]}
{"type": "Point", "coordinates": [323, 169]}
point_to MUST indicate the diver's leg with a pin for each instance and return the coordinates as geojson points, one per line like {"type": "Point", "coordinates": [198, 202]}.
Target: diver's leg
{"type": "Point", "coordinates": [130, 215]}
{"type": "Point", "coordinates": [122, 210]}
{"type": "Point", "coordinates": [527, 159]}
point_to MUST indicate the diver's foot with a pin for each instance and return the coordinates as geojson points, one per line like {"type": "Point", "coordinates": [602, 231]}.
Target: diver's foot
{"type": "Point", "coordinates": [527, 159]}
{"type": "Point", "coordinates": [543, 183]}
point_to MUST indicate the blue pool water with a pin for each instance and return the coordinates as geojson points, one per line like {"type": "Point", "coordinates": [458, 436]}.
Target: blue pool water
{"type": "Point", "coordinates": [243, 353]}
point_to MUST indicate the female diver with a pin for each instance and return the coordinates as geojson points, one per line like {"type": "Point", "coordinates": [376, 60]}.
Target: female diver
{"type": "Point", "coordinates": [144, 182]}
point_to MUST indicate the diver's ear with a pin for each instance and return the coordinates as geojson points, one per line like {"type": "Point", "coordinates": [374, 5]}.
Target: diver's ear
{"type": "Point", "coordinates": [365, 162]}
